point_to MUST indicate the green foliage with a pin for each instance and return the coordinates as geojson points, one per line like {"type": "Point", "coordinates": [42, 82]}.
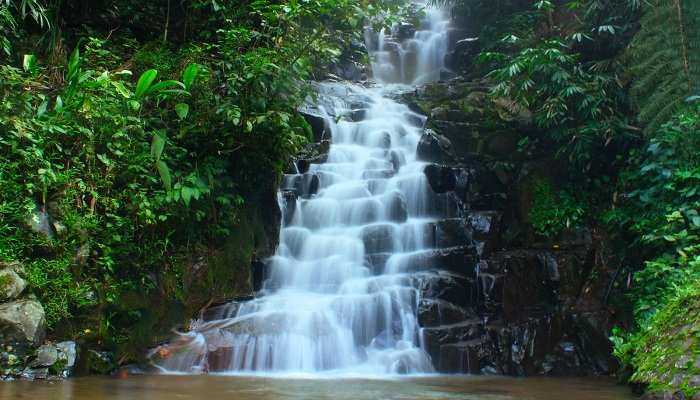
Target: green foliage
{"type": "Point", "coordinates": [660, 208]}
{"type": "Point", "coordinates": [575, 104]}
{"type": "Point", "coordinates": [660, 214]}
{"type": "Point", "coordinates": [662, 349]}
{"type": "Point", "coordinates": [553, 212]}
{"type": "Point", "coordinates": [13, 10]}
{"type": "Point", "coordinates": [141, 172]}
{"type": "Point", "coordinates": [664, 59]}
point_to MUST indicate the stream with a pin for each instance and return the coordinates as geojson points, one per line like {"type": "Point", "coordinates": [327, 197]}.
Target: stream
{"type": "Point", "coordinates": [260, 388]}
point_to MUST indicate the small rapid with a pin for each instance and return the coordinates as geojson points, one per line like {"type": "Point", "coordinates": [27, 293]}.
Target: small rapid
{"type": "Point", "coordinates": [342, 291]}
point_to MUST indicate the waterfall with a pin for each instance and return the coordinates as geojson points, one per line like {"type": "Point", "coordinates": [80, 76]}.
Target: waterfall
{"type": "Point", "coordinates": [343, 288]}
{"type": "Point", "coordinates": [411, 60]}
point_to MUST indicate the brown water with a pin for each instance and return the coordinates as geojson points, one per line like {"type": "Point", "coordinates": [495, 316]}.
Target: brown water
{"type": "Point", "coordinates": [246, 388]}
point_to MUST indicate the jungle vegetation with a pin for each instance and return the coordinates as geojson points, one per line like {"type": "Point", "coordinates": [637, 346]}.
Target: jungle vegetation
{"type": "Point", "coordinates": [133, 135]}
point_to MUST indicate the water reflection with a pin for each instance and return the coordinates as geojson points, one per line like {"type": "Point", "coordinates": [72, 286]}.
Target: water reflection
{"type": "Point", "coordinates": [247, 388]}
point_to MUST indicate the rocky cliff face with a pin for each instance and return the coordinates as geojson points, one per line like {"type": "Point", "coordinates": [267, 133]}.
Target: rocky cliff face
{"type": "Point", "coordinates": [514, 303]}
{"type": "Point", "coordinates": [495, 298]}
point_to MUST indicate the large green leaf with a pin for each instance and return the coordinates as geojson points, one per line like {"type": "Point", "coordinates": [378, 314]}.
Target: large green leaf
{"type": "Point", "coordinates": [157, 145]}
{"type": "Point", "coordinates": [164, 172]}
{"type": "Point", "coordinates": [73, 65]}
{"type": "Point", "coordinates": [145, 82]}
{"type": "Point", "coordinates": [189, 75]}
{"type": "Point", "coordinates": [182, 110]}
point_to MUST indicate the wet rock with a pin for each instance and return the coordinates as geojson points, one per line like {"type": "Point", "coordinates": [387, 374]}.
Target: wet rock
{"type": "Point", "coordinates": [46, 356]}
{"type": "Point", "coordinates": [397, 209]}
{"type": "Point", "coordinates": [485, 224]}
{"type": "Point", "coordinates": [447, 286]}
{"type": "Point", "coordinates": [31, 374]}
{"type": "Point", "coordinates": [11, 284]}
{"type": "Point", "coordinates": [357, 115]}
{"type": "Point", "coordinates": [435, 148]}
{"type": "Point", "coordinates": [319, 125]}
{"type": "Point", "coordinates": [289, 199]}
{"type": "Point", "coordinates": [67, 353]}
{"type": "Point", "coordinates": [462, 357]}
{"type": "Point", "coordinates": [518, 299]}
{"type": "Point", "coordinates": [303, 185]}
{"type": "Point", "coordinates": [378, 238]}
{"type": "Point", "coordinates": [376, 262]}
{"type": "Point", "coordinates": [22, 321]}
{"type": "Point", "coordinates": [397, 159]}
{"type": "Point", "coordinates": [436, 312]}
{"type": "Point", "coordinates": [450, 232]}
{"type": "Point", "coordinates": [460, 260]}
{"type": "Point", "coordinates": [436, 337]}
{"type": "Point", "coordinates": [441, 178]}
{"type": "Point", "coordinates": [446, 205]}
{"type": "Point", "coordinates": [405, 31]}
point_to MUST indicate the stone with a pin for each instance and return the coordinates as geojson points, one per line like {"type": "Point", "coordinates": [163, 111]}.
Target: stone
{"type": "Point", "coordinates": [289, 200]}
{"type": "Point", "coordinates": [11, 285]}
{"type": "Point", "coordinates": [459, 259]}
{"type": "Point", "coordinates": [447, 286]}
{"type": "Point", "coordinates": [31, 374]}
{"type": "Point", "coordinates": [378, 238]}
{"type": "Point", "coordinates": [436, 312]}
{"type": "Point", "coordinates": [46, 356]}
{"type": "Point", "coordinates": [404, 31]}
{"type": "Point", "coordinates": [318, 124]}
{"type": "Point", "coordinates": [449, 233]}
{"type": "Point", "coordinates": [484, 224]}
{"type": "Point", "coordinates": [436, 148]}
{"type": "Point", "coordinates": [436, 337]}
{"type": "Point", "coordinates": [40, 222]}
{"type": "Point", "coordinates": [397, 209]}
{"type": "Point", "coordinates": [441, 178]}
{"type": "Point", "coordinates": [461, 357]}
{"type": "Point", "coordinates": [22, 321]}
{"type": "Point", "coordinates": [67, 352]}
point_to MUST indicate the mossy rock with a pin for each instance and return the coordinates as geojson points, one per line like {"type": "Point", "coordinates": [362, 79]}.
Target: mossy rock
{"type": "Point", "coordinates": [667, 349]}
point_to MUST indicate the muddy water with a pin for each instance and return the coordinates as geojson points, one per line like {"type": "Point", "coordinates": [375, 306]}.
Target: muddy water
{"type": "Point", "coordinates": [246, 388]}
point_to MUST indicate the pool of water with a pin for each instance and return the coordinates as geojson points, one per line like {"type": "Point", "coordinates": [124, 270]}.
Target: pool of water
{"type": "Point", "coordinates": [260, 388]}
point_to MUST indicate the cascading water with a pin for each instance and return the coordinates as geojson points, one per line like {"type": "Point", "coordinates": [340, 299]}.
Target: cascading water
{"type": "Point", "coordinates": [413, 60]}
{"type": "Point", "coordinates": [342, 292]}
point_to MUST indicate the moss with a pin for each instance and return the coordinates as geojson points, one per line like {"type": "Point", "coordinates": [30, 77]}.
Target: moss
{"type": "Point", "coordinates": [667, 349]}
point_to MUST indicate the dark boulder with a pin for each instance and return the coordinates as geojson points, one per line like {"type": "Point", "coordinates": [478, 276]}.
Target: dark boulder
{"type": "Point", "coordinates": [437, 312]}
{"type": "Point", "coordinates": [378, 238]}
{"type": "Point", "coordinates": [436, 148]}
{"type": "Point", "coordinates": [441, 178]}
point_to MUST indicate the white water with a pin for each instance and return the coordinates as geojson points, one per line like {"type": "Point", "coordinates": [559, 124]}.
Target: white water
{"type": "Point", "coordinates": [341, 296]}
{"type": "Point", "coordinates": [417, 60]}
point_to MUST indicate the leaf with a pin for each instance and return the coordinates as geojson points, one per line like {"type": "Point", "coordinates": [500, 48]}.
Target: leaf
{"type": "Point", "coordinates": [104, 159]}
{"type": "Point", "coordinates": [121, 89]}
{"type": "Point", "coordinates": [182, 110]}
{"type": "Point", "coordinates": [696, 221]}
{"type": "Point", "coordinates": [145, 82]}
{"type": "Point", "coordinates": [189, 75]}
{"type": "Point", "coordinates": [73, 64]}
{"type": "Point", "coordinates": [58, 107]}
{"type": "Point", "coordinates": [187, 194]}
{"type": "Point", "coordinates": [29, 63]}
{"type": "Point", "coordinates": [164, 172]}
{"type": "Point", "coordinates": [157, 145]}
{"type": "Point", "coordinates": [161, 87]}
{"type": "Point", "coordinates": [42, 108]}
